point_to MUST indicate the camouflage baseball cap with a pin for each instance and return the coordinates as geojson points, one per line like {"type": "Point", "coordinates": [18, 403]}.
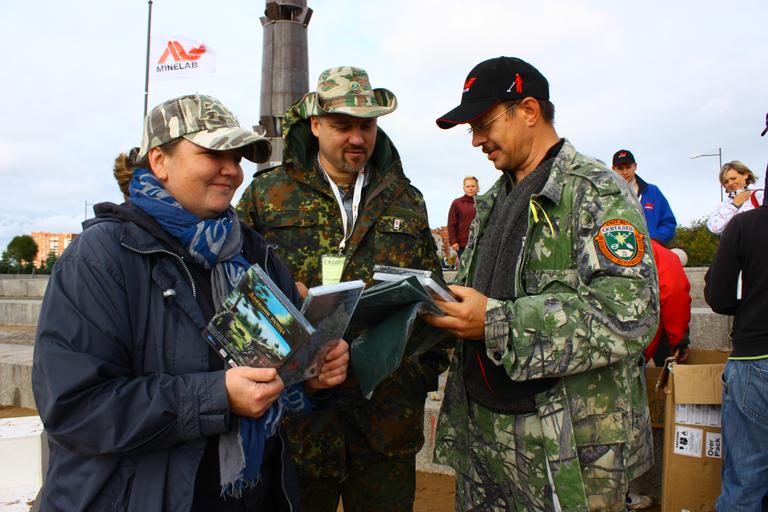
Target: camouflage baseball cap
{"type": "Point", "coordinates": [346, 90]}
{"type": "Point", "coordinates": [204, 121]}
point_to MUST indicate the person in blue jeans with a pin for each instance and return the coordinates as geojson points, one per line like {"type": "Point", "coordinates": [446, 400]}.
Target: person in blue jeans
{"type": "Point", "coordinates": [743, 248]}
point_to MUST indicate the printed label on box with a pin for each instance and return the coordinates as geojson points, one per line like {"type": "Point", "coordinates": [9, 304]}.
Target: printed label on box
{"type": "Point", "coordinates": [698, 414]}
{"type": "Point", "coordinates": [688, 441]}
{"type": "Point", "coordinates": [714, 446]}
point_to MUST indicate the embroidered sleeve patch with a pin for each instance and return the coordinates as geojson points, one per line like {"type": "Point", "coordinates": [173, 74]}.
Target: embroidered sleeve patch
{"type": "Point", "coordinates": [621, 242]}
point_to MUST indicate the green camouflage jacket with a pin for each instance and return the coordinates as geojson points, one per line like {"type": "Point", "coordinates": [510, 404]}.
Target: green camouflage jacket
{"type": "Point", "coordinates": [293, 207]}
{"type": "Point", "coordinates": [586, 307]}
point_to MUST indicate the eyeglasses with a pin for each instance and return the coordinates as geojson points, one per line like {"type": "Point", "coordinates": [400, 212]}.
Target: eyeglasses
{"type": "Point", "coordinates": [483, 128]}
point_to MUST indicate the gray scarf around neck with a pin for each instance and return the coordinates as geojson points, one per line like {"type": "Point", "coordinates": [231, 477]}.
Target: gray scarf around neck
{"type": "Point", "coordinates": [500, 243]}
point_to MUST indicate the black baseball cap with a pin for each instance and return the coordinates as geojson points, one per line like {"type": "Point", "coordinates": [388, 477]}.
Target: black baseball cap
{"type": "Point", "coordinates": [623, 156]}
{"type": "Point", "coordinates": [494, 81]}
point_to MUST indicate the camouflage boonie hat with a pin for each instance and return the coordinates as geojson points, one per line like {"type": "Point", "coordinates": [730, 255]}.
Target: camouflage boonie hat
{"type": "Point", "coordinates": [346, 90]}
{"type": "Point", "coordinates": [204, 121]}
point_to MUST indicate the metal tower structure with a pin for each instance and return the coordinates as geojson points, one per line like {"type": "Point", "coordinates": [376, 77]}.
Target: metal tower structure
{"type": "Point", "coordinates": [284, 68]}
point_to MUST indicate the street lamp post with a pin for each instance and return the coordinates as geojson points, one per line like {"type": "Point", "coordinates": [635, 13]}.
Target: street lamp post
{"type": "Point", "coordinates": [86, 209]}
{"type": "Point", "coordinates": [719, 156]}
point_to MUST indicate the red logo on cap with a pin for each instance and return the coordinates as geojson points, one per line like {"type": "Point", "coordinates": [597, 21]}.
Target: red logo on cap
{"type": "Point", "coordinates": [469, 83]}
{"type": "Point", "coordinates": [517, 84]}
{"type": "Point", "coordinates": [622, 155]}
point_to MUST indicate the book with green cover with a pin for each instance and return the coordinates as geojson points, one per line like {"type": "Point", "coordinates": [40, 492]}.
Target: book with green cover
{"type": "Point", "coordinates": [386, 314]}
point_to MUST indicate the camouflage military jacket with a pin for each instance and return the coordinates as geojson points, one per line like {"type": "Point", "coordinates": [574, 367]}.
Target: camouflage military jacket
{"type": "Point", "coordinates": [293, 207]}
{"type": "Point", "coordinates": [586, 306]}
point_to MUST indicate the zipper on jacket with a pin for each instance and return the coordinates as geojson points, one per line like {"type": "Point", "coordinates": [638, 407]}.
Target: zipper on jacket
{"type": "Point", "coordinates": [269, 247]}
{"type": "Point", "coordinates": [518, 267]}
{"type": "Point", "coordinates": [282, 469]}
{"type": "Point", "coordinates": [163, 251]}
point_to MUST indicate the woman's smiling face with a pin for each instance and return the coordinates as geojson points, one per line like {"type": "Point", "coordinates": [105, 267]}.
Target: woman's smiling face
{"type": "Point", "coordinates": [202, 180]}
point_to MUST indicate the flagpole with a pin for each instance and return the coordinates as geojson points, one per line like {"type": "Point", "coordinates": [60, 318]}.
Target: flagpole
{"type": "Point", "coordinates": [146, 72]}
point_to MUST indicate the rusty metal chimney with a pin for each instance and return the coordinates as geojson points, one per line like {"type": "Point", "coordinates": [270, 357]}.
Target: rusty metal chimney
{"type": "Point", "coordinates": [284, 68]}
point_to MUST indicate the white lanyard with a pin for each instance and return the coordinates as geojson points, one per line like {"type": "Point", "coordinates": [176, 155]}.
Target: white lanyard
{"type": "Point", "coordinates": [355, 203]}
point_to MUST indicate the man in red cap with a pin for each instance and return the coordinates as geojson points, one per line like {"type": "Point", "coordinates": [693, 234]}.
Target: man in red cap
{"type": "Point", "coordinates": [545, 405]}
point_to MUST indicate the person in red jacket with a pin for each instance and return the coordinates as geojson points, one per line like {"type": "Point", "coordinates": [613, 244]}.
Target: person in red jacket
{"type": "Point", "coordinates": [461, 214]}
{"type": "Point", "coordinates": [674, 307]}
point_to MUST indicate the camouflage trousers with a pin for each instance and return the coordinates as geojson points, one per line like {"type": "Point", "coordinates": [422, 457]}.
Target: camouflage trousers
{"type": "Point", "coordinates": [508, 471]}
{"type": "Point", "coordinates": [372, 483]}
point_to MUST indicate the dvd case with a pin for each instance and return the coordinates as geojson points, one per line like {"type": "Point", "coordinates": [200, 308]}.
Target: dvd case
{"type": "Point", "coordinates": [258, 325]}
{"type": "Point", "coordinates": [431, 281]}
{"type": "Point", "coordinates": [329, 309]}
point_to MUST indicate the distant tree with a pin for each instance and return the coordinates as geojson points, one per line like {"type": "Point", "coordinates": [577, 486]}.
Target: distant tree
{"type": "Point", "coordinates": [50, 261]}
{"type": "Point", "coordinates": [22, 249]}
{"type": "Point", "coordinates": [698, 242]}
{"type": "Point", "coordinates": [5, 264]}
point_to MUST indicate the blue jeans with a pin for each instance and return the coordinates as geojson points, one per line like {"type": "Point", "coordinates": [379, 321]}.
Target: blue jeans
{"type": "Point", "coordinates": [745, 437]}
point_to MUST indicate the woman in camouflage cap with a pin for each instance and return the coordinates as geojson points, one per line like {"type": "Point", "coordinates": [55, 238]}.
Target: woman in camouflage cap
{"type": "Point", "coordinates": [140, 412]}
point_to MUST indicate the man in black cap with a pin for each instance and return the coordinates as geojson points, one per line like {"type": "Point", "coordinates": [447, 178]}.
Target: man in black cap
{"type": "Point", "coordinates": [545, 407]}
{"type": "Point", "coordinates": [658, 215]}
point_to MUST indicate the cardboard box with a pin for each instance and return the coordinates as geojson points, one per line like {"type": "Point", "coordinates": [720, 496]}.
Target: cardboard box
{"type": "Point", "coordinates": [656, 396]}
{"type": "Point", "coordinates": [693, 447]}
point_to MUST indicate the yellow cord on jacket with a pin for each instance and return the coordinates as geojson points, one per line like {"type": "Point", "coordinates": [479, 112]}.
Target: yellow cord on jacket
{"type": "Point", "coordinates": [532, 206]}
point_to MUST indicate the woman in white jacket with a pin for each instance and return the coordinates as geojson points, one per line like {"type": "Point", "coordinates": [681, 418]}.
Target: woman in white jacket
{"type": "Point", "coordinates": [739, 183]}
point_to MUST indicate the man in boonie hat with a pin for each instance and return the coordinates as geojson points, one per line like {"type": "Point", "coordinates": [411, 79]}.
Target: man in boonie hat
{"type": "Point", "coordinates": [338, 205]}
{"type": "Point", "coordinates": [204, 121]}
{"type": "Point", "coordinates": [545, 406]}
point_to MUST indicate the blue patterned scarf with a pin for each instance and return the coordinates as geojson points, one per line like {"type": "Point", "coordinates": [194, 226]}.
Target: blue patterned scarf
{"type": "Point", "coordinates": [216, 244]}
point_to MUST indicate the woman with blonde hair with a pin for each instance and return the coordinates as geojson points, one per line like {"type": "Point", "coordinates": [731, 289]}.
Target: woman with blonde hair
{"type": "Point", "coordinates": [742, 195]}
{"type": "Point", "coordinates": [141, 414]}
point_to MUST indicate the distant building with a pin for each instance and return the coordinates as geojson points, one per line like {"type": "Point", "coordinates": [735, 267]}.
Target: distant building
{"type": "Point", "coordinates": [50, 243]}
{"type": "Point", "coordinates": [444, 249]}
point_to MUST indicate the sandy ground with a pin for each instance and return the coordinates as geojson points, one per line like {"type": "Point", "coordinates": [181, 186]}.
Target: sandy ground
{"type": "Point", "coordinates": [434, 493]}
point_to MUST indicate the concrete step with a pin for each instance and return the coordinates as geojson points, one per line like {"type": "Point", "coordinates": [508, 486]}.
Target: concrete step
{"type": "Point", "coordinates": [18, 334]}
{"type": "Point", "coordinates": [16, 375]}
{"type": "Point", "coordinates": [15, 285]}
{"type": "Point", "coordinates": [19, 311]}
{"type": "Point", "coordinates": [424, 457]}
{"type": "Point", "coordinates": [708, 329]}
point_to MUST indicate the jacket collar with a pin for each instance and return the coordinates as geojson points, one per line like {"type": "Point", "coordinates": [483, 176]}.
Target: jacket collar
{"type": "Point", "coordinates": [139, 231]}
{"type": "Point", "coordinates": [641, 184]}
{"type": "Point", "coordinates": [553, 187]}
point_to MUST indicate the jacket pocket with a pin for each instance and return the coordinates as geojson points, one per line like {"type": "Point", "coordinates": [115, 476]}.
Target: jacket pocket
{"type": "Point", "coordinates": [400, 225]}
{"type": "Point", "coordinates": [536, 280]}
{"type": "Point", "coordinates": [399, 238]}
{"type": "Point", "coordinates": [599, 429]}
{"type": "Point", "coordinates": [290, 218]}
{"type": "Point", "coordinates": [116, 493]}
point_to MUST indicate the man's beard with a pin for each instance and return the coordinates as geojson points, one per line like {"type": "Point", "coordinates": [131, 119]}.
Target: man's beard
{"type": "Point", "coordinates": [354, 168]}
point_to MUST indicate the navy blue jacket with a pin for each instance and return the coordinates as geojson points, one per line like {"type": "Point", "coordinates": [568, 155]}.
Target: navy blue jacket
{"type": "Point", "coordinates": [658, 215]}
{"type": "Point", "coordinates": [121, 373]}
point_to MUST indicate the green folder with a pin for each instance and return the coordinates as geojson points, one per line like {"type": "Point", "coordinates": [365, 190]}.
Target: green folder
{"type": "Point", "coordinates": [386, 313]}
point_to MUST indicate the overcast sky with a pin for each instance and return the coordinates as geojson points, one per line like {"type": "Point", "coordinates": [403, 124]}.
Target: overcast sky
{"type": "Point", "coordinates": [666, 80]}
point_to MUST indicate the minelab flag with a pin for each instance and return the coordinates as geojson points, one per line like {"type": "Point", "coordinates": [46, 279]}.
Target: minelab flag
{"type": "Point", "coordinates": [179, 57]}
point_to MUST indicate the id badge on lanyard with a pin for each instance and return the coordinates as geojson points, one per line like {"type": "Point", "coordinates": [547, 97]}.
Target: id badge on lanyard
{"type": "Point", "coordinates": [332, 267]}
{"type": "Point", "coordinates": [333, 264]}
